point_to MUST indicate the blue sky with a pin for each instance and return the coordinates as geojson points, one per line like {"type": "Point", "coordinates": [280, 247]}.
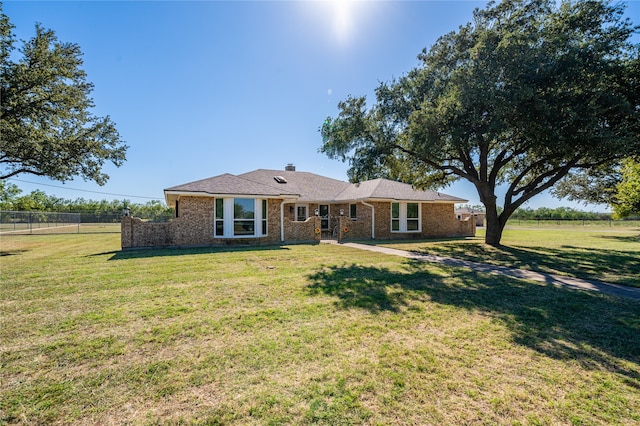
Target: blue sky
{"type": "Point", "coordinates": [202, 88]}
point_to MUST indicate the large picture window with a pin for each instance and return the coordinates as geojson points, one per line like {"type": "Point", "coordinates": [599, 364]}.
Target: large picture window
{"type": "Point", "coordinates": [405, 217]}
{"type": "Point", "coordinates": [240, 217]}
{"type": "Point", "coordinates": [244, 216]}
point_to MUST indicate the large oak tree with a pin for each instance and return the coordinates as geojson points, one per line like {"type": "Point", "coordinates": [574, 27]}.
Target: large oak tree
{"type": "Point", "coordinates": [46, 124]}
{"type": "Point", "coordinates": [522, 96]}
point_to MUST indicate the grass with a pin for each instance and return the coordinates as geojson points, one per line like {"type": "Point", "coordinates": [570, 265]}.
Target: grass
{"type": "Point", "coordinates": [305, 334]}
{"type": "Point", "coordinates": [605, 254]}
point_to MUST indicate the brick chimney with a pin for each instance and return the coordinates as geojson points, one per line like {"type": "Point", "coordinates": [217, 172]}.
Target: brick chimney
{"type": "Point", "coordinates": [290, 168]}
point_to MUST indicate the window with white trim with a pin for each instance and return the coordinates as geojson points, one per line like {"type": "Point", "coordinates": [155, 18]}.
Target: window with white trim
{"type": "Point", "coordinates": [406, 217]}
{"type": "Point", "coordinates": [219, 215]}
{"type": "Point", "coordinates": [353, 211]}
{"type": "Point", "coordinates": [240, 217]}
{"type": "Point", "coordinates": [302, 212]}
{"type": "Point", "coordinates": [264, 217]}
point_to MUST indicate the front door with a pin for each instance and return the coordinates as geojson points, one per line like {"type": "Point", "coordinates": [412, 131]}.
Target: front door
{"type": "Point", "coordinates": [324, 216]}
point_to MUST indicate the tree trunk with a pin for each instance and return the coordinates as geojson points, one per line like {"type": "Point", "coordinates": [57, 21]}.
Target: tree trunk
{"type": "Point", "coordinates": [494, 232]}
{"type": "Point", "coordinates": [494, 225]}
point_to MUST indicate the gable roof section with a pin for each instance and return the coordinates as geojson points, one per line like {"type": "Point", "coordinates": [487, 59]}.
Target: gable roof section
{"type": "Point", "coordinates": [304, 187]}
{"type": "Point", "coordinates": [310, 186]}
{"type": "Point", "coordinates": [385, 189]}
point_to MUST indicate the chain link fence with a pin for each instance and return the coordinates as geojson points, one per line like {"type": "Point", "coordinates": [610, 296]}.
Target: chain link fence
{"type": "Point", "coordinates": [14, 222]}
{"type": "Point", "coordinates": [17, 222]}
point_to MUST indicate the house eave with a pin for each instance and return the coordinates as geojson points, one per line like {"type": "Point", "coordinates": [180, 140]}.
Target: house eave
{"type": "Point", "coordinates": [409, 200]}
{"type": "Point", "coordinates": [172, 196]}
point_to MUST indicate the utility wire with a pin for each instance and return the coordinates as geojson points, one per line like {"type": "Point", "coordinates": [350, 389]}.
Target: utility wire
{"type": "Point", "coordinates": [85, 190]}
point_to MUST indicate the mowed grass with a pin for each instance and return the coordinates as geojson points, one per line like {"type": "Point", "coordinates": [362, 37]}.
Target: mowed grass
{"type": "Point", "coordinates": [610, 254]}
{"type": "Point", "coordinates": [303, 334]}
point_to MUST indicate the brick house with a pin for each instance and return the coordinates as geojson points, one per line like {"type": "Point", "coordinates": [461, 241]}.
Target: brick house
{"type": "Point", "coordinates": [478, 215]}
{"type": "Point", "coordinates": [271, 207]}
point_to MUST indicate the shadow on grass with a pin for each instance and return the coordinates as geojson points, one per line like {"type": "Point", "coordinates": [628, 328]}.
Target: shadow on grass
{"type": "Point", "coordinates": [619, 267]}
{"type": "Point", "coordinates": [12, 252]}
{"type": "Point", "coordinates": [590, 328]}
{"type": "Point", "coordinates": [622, 239]}
{"type": "Point", "coordinates": [164, 252]}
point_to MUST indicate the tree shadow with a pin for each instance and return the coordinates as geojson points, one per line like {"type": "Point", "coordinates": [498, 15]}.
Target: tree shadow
{"type": "Point", "coordinates": [181, 251]}
{"type": "Point", "coordinates": [619, 267]}
{"type": "Point", "coordinates": [593, 329]}
{"type": "Point", "coordinates": [621, 238]}
{"type": "Point", "coordinates": [12, 252]}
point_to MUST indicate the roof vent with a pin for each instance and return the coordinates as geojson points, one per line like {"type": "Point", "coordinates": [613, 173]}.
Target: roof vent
{"type": "Point", "coordinates": [280, 179]}
{"type": "Point", "coordinates": [290, 168]}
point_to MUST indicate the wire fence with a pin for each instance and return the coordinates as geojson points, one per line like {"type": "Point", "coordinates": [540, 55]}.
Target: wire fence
{"type": "Point", "coordinates": [20, 222]}
{"type": "Point", "coordinates": [593, 223]}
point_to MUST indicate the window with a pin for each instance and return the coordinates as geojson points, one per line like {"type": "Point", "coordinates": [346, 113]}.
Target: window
{"type": "Point", "coordinates": [301, 212]}
{"type": "Point", "coordinates": [395, 217]}
{"type": "Point", "coordinates": [353, 212]}
{"type": "Point", "coordinates": [240, 217]}
{"type": "Point", "coordinates": [243, 216]}
{"type": "Point", "coordinates": [413, 217]}
{"type": "Point", "coordinates": [219, 221]}
{"type": "Point", "coordinates": [177, 209]}
{"type": "Point", "coordinates": [405, 217]}
{"type": "Point", "coordinates": [264, 217]}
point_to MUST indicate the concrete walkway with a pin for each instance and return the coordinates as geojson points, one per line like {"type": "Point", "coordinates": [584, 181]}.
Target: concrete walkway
{"type": "Point", "coordinates": [559, 280]}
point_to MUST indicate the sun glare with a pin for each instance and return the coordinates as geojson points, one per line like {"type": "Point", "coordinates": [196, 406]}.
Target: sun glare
{"type": "Point", "coordinates": [342, 19]}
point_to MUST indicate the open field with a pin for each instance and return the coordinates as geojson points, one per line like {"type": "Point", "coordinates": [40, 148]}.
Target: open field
{"type": "Point", "coordinates": [605, 254]}
{"type": "Point", "coordinates": [307, 334]}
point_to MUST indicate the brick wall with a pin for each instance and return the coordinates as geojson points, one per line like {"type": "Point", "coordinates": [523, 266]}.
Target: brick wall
{"type": "Point", "coordinates": [439, 220]}
{"type": "Point", "coordinates": [302, 231]}
{"type": "Point", "coordinates": [195, 225]}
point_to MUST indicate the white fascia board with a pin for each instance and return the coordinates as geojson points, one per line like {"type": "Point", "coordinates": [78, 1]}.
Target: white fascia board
{"type": "Point", "coordinates": [207, 194]}
{"type": "Point", "coordinates": [402, 200]}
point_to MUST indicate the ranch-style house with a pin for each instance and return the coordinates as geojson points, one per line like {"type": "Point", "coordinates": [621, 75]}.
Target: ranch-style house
{"type": "Point", "coordinates": [273, 207]}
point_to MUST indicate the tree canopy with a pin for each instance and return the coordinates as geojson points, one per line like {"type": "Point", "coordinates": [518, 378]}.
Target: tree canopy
{"type": "Point", "coordinates": [628, 190]}
{"type": "Point", "coordinates": [46, 122]}
{"type": "Point", "coordinates": [523, 95]}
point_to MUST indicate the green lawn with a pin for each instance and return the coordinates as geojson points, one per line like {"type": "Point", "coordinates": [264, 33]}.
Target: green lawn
{"type": "Point", "coordinates": [303, 334]}
{"type": "Point", "coordinates": [610, 254]}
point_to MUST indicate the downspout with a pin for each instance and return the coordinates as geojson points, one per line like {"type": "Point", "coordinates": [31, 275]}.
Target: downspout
{"type": "Point", "coordinates": [282, 220]}
{"type": "Point", "coordinates": [373, 220]}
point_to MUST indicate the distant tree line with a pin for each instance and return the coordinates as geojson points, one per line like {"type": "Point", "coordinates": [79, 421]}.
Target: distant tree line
{"type": "Point", "coordinates": [559, 213]}
{"type": "Point", "coordinates": [11, 198]}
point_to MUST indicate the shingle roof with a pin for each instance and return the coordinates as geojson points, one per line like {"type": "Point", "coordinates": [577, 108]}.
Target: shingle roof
{"type": "Point", "coordinates": [307, 187]}
{"type": "Point", "coordinates": [391, 190]}
{"type": "Point", "coordinates": [231, 184]}
{"type": "Point", "coordinates": [310, 186]}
